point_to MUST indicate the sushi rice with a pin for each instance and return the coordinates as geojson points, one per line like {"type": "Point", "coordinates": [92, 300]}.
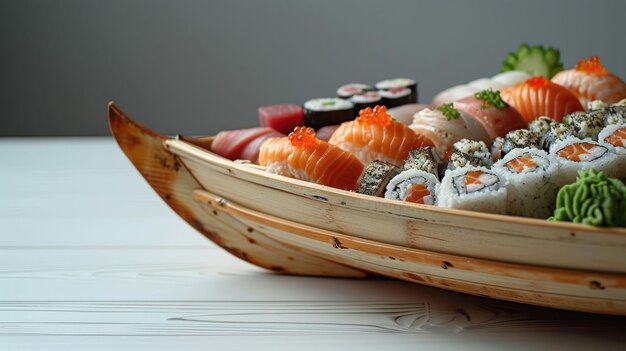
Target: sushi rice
{"type": "Point", "coordinates": [474, 189]}
{"type": "Point", "coordinates": [573, 155]}
{"type": "Point", "coordinates": [531, 175]}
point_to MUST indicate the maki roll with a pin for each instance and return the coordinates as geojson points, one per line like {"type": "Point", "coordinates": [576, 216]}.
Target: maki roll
{"type": "Point", "coordinates": [375, 178]}
{"type": "Point", "coordinates": [541, 125]}
{"type": "Point", "coordinates": [390, 84]}
{"type": "Point", "coordinates": [531, 177]}
{"type": "Point", "coordinates": [470, 153]}
{"type": "Point", "coordinates": [396, 97]}
{"type": "Point", "coordinates": [424, 159]}
{"type": "Point", "coordinates": [413, 185]}
{"type": "Point", "coordinates": [615, 137]}
{"type": "Point", "coordinates": [586, 125]}
{"type": "Point", "coordinates": [473, 188]}
{"type": "Point", "coordinates": [575, 155]}
{"type": "Point", "coordinates": [365, 99]}
{"type": "Point", "coordinates": [496, 148]}
{"type": "Point", "coordinates": [327, 111]}
{"type": "Point", "coordinates": [520, 138]}
{"type": "Point", "coordinates": [557, 132]}
{"type": "Point", "coordinates": [348, 90]}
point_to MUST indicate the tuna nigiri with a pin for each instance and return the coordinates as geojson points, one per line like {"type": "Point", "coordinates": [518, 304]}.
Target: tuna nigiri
{"type": "Point", "coordinates": [590, 81]}
{"type": "Point", "coordinates": [308, 158]}
{"type": "Point", "coordinates": [540, 97]}
{"type": "Point", "coordinates": [242, 144]}
{"type": "Point", "coordinates": [374, 135]}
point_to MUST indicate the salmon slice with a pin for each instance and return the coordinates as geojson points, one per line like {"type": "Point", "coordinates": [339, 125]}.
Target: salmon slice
{"type": "Point", "coordinates": [477, 180]}
{"type": "Point", "coordinates": [274, 155]}
{"type": "Point", "coordinates": [590, 81]}
{"type": "Point", "coordinates": [540, 97]}
{"type": "Point", "coordinates": [618, 138]}
{"type": "Point", "coordinates": [374, 135]}
{"type": "Point", "coordinates": [582, 152]}
{"type": "Point", "coordinates": [522, 163]}
{"type": "Point", "coordinates": [317, 161]}
{"type": "Point", "coordinates": [417, 193]}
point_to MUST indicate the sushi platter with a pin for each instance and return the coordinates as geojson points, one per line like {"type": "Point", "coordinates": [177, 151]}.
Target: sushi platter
{"type": "Point", "coordinates": [462, 224]}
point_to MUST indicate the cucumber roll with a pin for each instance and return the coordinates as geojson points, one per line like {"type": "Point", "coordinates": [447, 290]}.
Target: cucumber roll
{"type": "Point", "coordinates": [474, 189]}
{"type": "Point", "coordinates": [348, 90]}
{"type": "Point", "coordinates": [390, 84]}
{"type": "Point", "coordinates": [414, 186]}
{"type": "Point", "coordinates": [364, 100]}
{"type": "Point", "coordinates": [531, 175]}
{"type": "Point", "coordinates": [327, 111]}
{"type": "Point", "coordinates": [396, 97]}
{"type": "Point", "coordinates": [573, 155]}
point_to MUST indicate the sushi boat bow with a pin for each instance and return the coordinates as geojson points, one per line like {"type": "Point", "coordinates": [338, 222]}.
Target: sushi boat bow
{"type": "Point", "coordinates": [296, 227]}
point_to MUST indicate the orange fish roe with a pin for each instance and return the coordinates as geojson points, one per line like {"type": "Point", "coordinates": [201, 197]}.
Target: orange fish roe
{"type": "Point", "coordinates": [376, 116]}
{"type": "Point", "coordinates": [617, 138]}
{"type": "Point", "coordinates": [303, 137]}
{"type": "Point", "coordinates": [537, 82]}
{"type": "Point", "coordinates": [521, 163]}
{"type": "Point", "coordinates": [591, 65]}
{"type": "Point", "coordinates": [417, 193]}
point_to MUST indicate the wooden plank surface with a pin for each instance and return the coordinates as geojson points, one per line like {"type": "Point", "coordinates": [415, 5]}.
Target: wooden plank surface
{"type": "Point", "coordinates": [90, 258]}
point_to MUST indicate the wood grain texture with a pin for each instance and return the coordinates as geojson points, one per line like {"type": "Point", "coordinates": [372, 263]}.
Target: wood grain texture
{"type": "Point", "coordinates": [560, 265]}
{"type": "Point", "coordinates": [174, 184]}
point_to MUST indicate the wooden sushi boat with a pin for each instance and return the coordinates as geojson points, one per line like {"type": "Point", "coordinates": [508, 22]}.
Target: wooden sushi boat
{"type": "Point", "coordinates": [296, 227]}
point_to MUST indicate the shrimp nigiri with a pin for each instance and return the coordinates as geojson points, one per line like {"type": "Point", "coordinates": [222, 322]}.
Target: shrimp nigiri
{"type": "Point", "coordinates": [308, 158]}
{"type": "Point", "coordinates": [374, 135]}
{"type": "Point", "coordinates": [540, 97]}
{"type": "Point", "coordinates": [590, 81]}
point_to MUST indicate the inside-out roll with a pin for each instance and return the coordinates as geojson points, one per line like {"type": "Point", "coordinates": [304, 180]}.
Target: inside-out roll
{"type": "Point", "coordinates": [473, 188]}
{"type": "Point", "coordinates": [573, 155]}
{"type": "Point", "coordinates": [615, 137]}
{"type": "Point", "coordinates": [413, 185]}
{"type": "Point", "coordinates": [531, 175]}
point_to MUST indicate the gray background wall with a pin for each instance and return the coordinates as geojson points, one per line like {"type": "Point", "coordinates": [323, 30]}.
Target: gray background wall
{"type": "Point", "coordinates": [198, 67]}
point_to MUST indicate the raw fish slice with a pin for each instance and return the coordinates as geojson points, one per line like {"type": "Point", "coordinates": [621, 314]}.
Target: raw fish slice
{"type": "Point", "coordinates": [538, 97]}
{"type": "Point", "coordinates": [230, 143]}
{"type": "Point", "coordinates": [511, 78]}
{"type": "Point", "coordinates": [452, 94]}
{"type": "Point", "coordinates": [618, 138]}
{"type": "Point", "coordinates": [326, 132]}
{"type": "Point", "coordinates": [374, 135]}
{"type": "Point", "coordinates": [494, 121]}
{"type": "Point", "coordinates": [582, 152]}
{"type": "Point", "coordinates": [486, 83]}
{"type": "Point", "coordinates": [443, 132]}
{"type": "Point", "coordinates": [283, 117]}
{"type": "Point", "coordinates": [274, 155]}
{"type": "Point", "coordinates": [317, 161]}
{"type": "Point", "coordinates": [404, 114]}
{"type": "Point", "coordinates": [590, 81]}
{"type": "Point", "coordinates": [251, 151]}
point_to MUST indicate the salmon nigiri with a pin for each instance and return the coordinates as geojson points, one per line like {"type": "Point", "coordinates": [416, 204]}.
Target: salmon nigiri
{"type": "Point", "coordinates": [590, 81]}
{"type": "Point", "coordinates": [540, 97]}
{"type": "Point", "coordinates": [308, 158]}
{"type": "Point", "coordinates": [374, 135]}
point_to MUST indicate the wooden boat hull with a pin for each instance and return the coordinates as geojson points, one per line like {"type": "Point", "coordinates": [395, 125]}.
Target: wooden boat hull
{"type": "Point", "coordinates": [295, 227]}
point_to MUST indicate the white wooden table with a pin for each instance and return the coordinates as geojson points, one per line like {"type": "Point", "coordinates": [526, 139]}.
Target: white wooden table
{"type": "Point", "coordinates": [90, 258]}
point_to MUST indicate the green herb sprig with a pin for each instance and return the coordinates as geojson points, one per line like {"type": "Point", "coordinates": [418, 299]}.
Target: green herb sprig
{"type": "Point", "coordinates": [449, 111]}
{"type": "Point", "coordinates": [491, 98]}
